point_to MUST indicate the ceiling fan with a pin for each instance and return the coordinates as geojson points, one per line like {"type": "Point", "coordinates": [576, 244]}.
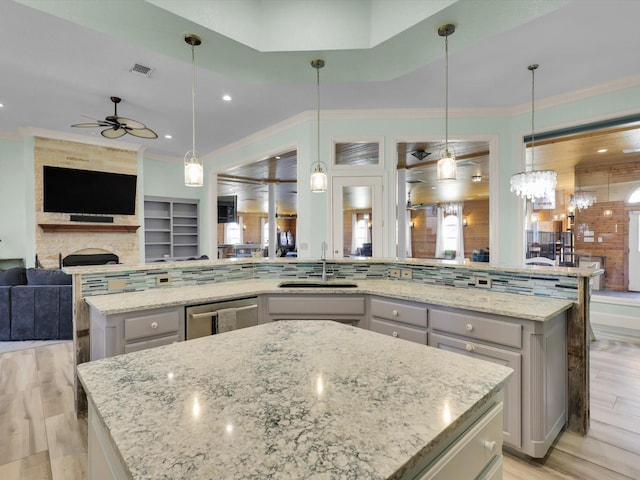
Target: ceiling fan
{"type": "Point", "coordinates": [119, 126]}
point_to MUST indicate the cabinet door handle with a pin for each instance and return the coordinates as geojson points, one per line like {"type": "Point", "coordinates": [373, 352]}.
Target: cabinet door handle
{"type": "Point", "coordinates": [469, 327]}
{"type": "Point", "coordinates": [395, 334]}
{"type": "Point", "coordinates": [470, 347]}
{"type": "Point", "coordinates": [394, 313]}
{"type": "Point", "coordinates": [490, 445]}
{"type": "Point", "coordinates": [154, 324]}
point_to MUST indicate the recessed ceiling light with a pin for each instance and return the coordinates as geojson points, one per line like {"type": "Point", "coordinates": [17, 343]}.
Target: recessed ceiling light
{"type": "Point", "coordinates": [602, 150]}
{"type": "Point", "coordinates": [168, 137]}
{"type": "Point", "coordinates": [277, 157]}
{"type": "Point", "coordinates": [226, 98]}
{"type": "Point", "coordinates": [1, 105]}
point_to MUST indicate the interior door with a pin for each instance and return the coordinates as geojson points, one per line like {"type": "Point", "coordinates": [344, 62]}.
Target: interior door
{"type": "Point", "coordinates": [634, 251]}
{"type": "Point", "coordinates": [356, 194]}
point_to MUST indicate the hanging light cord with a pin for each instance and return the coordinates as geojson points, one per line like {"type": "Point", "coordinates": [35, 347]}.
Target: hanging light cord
{"type": "Point", "coordinates": [193, 97]}
{"type": "Point", "coordinates": [446, 95]}
{"type": "Point", "coordinates": [318, 112]}
{"type": "Point", "coordinates": [533, 112]}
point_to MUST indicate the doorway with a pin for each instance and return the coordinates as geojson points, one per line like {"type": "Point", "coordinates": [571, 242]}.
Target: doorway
{"type": "Point", "coordinates": [634, 251]}
{"type": "Point", "coordinates": [356, 205]}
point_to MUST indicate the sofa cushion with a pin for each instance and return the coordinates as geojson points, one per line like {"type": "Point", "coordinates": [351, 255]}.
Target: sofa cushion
{"type": "Point", "coordinates": [13, 276]}
{"type": "Point", "coordinates": [40, 276]}
{"type": "Point", "coordinates": [5, 313]}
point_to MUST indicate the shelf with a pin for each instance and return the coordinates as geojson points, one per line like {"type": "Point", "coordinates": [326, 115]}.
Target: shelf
{"type": "Point", "coordinates": [87, 227]}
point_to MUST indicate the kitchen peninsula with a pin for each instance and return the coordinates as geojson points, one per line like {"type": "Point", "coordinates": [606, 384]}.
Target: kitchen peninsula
{"type": "Point", "coordinates": [294, 399]}
{"type": "Point", "coordinates": [534, 295]}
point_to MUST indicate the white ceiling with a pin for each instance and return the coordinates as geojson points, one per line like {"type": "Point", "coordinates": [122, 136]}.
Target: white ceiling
{"type": "Point", "coordinates": [62, 59]}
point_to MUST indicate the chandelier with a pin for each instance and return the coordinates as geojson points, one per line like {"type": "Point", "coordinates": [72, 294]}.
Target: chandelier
{"type": "Point", "coordinates": [534, 184]}
{"type": "Point", "coordinates": [583, 200]}
{"type": "Point", "coordinates": [446, 169]}
{"type": "Point", "coordinates": [452, 208]}
{"type": "Point", "coordinates": [193, 168]}
{"type": "Point", "coordinates": [319, 175]}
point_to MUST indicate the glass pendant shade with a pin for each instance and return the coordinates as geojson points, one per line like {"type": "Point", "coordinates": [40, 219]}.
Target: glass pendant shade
{"type": "Point", "coordinates": [193, 170]}
{"type": "Point", "coordinates": [534, 184]}
{"type": "Point", "coordinates": [318, 180]}
{"type": "Point", "coordinates": [446, 169]}
{"type": "Point", "coordinates": [583, 200]}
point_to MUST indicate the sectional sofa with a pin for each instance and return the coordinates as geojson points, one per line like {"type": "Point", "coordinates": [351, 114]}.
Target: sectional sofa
{"type": "Point", "coordinates": [35, 304]}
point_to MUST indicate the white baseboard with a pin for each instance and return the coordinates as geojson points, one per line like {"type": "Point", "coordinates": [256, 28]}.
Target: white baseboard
{"type": "Point", "coordinates": [614, 320]}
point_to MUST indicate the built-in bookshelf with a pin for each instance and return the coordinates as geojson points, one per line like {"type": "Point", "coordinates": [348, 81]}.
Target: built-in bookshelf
{"type": "Point", "coordinates": [170, 228]}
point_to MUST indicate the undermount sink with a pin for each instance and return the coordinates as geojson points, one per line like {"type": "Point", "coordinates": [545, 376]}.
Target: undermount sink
{"type": "Point", "coordinates": [312, 284]}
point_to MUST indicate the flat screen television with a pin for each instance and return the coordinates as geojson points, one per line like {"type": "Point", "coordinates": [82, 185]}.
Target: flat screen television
{"type": "Point", "coordinates": [227, 209]}
{"type": "Point", "coordinates": [69, 190]}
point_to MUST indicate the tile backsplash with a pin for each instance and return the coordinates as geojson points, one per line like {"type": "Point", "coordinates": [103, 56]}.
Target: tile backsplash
{"type": "Point", "coordinates": [550, 285]}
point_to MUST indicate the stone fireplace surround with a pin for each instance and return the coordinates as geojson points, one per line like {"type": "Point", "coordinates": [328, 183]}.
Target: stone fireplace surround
{"type": "Point", "coordinates": [56, 235]}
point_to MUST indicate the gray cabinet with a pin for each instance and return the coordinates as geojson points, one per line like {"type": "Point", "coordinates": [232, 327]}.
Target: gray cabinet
{"type": "Point", "coordinates": [133, 331]}
{"type": "Point", "coordinates": [535, 399]}
{"type": "Point", "coordinates": [170, 228]}
{"type": "Point", "coordinates": [348, 309]}
{"type": "Point", "coordinates": [400, 319]}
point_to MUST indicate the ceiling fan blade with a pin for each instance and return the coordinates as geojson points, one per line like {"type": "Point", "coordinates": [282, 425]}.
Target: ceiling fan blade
{"type": "Point", "coordinates": [113, 132]}
{"type": "Point", "coordinates": [141, 132]}
{"type": "Point", "coordinates": [127, 122]}
{"type": "Point", "coordinates": [87, 125]}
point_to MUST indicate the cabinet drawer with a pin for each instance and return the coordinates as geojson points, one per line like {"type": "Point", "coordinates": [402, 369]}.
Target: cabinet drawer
{"type": "Point", "coordinates": [512, 390]}
{"type": "Point", "coordinates": [156, 342]}
{"type": "Point", "coordinates": [327, 305]}
{"type": "Point", "coordinates": [397, 330]}
{"type": "Point", "coordinates": [399, 312]}
{"type": "Point", "coordinates": [477, 327]}
{"type": "Point", "coordinates": [470, 455]}
{"type": "Point", "coordinates": [151, 325]}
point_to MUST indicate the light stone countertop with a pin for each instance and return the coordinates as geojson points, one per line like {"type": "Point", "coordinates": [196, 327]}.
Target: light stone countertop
{"type": "Point", "coordinates": [466, 264]}
{"type": "Point", "coordinates": [286, 400]}
{"type": "Point", "coordinates": [511, 305]}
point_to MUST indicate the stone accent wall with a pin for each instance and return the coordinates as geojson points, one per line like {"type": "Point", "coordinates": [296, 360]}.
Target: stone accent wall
{"type": "Point", "coordinates": [67, 154]}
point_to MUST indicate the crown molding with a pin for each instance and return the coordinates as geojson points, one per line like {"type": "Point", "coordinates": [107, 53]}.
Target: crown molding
{"type": "Point", "coordinates": [576, 95]}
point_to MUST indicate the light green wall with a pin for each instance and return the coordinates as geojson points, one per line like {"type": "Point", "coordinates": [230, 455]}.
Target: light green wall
{"type": "Point", "coordinates": [14, 191]}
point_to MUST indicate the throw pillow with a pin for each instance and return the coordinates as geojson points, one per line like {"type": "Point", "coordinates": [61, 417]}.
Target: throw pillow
{"type": "Point", "coordinates": [40, 276]}
{"type": "Point", "coordinates": [13, 276]}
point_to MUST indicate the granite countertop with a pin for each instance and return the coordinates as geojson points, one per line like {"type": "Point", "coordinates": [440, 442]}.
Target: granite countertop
{"type": "Point", "coordinates": [511, 305]}
{"type": "Point", "coordinates": [286, 400]}
{"type": "Point", "coordinates": [480, 266]}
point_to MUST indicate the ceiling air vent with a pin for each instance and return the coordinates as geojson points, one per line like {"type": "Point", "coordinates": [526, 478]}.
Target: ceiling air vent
{"type": "Point", "coordinates": [141, 70]}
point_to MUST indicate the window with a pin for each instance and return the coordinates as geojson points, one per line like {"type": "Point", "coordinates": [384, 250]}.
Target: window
{"type": "Point", "coordinates": [362, 232]}
{"type": "Point", "coordinates": [233, 232]}
{"type": "Point", "coordinates": [635, 196]}
{"type": "Point", "coordinates": [450, 232]}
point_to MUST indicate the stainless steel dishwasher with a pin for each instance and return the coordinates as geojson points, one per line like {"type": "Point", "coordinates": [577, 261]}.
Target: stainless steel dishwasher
{"type": "Point", "coordinates": [219, 317]}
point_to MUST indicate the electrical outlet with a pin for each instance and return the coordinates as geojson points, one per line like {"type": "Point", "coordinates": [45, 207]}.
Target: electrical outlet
{"type": "Point", "coordinates": [117, 284]}
{"type": "Point", "coordinates": [483, 282]}
{"type": "Point", "coordinates": [163, 280]}
{"type": "Point", "coordinates": [407, 273]}
{"type": "Point", "coordinates": [394, 273]}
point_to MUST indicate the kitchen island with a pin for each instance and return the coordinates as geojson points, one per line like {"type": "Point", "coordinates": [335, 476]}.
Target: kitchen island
{"type": "Point", "coordinates": [293, 400]}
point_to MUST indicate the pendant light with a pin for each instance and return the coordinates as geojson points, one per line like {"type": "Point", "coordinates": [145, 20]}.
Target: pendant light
{"type": "Point", "coordinates": [319, 175]}
{"type": "Point", "coordinates": [447, 164]}
{"type": "Point", "coordinates": [193, 168]}
{"type": "Point", "coordinates": [534, 183]}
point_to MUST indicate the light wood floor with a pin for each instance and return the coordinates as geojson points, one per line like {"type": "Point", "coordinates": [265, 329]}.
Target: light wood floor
{"type": "Point", "coordinates": [40, 437]}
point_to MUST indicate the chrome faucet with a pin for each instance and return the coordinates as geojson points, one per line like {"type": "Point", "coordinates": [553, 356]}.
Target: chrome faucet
{"type": "Point", "coordinates": [323, 257]}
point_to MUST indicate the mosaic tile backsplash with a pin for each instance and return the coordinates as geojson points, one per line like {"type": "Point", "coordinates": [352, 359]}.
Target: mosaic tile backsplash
{"type": "Point", "coordinates": [533, 283]}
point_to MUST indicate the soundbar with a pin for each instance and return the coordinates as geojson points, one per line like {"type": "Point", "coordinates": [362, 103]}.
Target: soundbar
{"type": "Point", "coordinates": [90, 218]}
